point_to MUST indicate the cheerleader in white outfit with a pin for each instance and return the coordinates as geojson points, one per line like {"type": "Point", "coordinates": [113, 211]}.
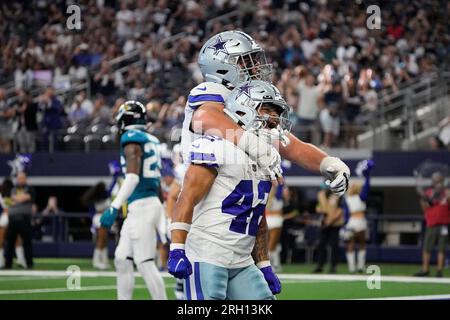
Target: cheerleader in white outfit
{"type": "Point", "coordinates": [355, 230]}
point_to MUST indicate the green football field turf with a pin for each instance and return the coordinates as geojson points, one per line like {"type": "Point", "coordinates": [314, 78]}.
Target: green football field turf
{"type": "Point", "coordinates": [48, 280]}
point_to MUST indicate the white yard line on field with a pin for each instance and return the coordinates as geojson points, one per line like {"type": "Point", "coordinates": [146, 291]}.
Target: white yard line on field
{"type": "Point", "coordinates": [55, 290]}
{"type": "Point", "coordinates": [282, 276]}
{"type": "Point", "coordinates": [345, 277]}
{"type": "Point", "coordinates": [34, 278]}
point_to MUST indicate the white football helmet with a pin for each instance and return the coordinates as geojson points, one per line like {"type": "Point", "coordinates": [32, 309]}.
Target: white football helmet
{"type": "Point", "coordinates": [232, 57]}
{"type": "Point", "coordinates": [243, 105]}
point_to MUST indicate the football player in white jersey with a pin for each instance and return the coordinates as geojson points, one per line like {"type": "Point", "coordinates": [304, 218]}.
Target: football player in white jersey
{"type": "Point", "coordinates": [225, 60]}
{"type": "Point", "coordinates": [218, 219]}
{"type": "Point", "coordinates": [141, 164]}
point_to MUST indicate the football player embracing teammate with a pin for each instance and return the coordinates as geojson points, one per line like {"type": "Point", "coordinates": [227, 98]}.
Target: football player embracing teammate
{"type": "Point", "coordinates": [219, 230]}
{"type": "Point", "coordinates": [226, 60]}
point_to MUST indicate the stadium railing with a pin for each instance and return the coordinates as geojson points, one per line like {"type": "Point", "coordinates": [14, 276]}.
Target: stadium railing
{"type": "Point", "coordinates": [407, 113]}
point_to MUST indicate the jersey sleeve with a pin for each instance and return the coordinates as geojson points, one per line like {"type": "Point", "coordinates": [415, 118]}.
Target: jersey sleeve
{"type": "Point", "coordinates": [206, 151]}
{"type": "Point", "coordinates": [205, 92]}
{"type": "Point", "coordinates": [132, 136]}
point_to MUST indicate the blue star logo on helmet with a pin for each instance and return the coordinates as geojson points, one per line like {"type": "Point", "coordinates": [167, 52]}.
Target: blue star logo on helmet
{"type": "Point", "coordinates": [245, 89]}
{"type": "Point", "coordinates": [219, 46]}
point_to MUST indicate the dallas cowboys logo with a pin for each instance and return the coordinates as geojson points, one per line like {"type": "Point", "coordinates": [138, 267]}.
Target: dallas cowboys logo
{"type": "Point", "coordinates": [219, 46]}
{"type": "Point", "coordinates": [245, 89]}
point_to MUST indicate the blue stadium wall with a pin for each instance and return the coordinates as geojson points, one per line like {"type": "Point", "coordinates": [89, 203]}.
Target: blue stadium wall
{"type": "Point", "coordinates": [69, 168]}
{"type": "Point", "coordinates": [84, 169]}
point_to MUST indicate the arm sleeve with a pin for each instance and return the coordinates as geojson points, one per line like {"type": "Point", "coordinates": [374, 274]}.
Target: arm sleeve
{"type": "Point", "coordinates": [205, 92]}
{"type": "Point", "coordinates": [127, 188]}
{"type": "Point", "coordinates": [203, 151]}
{"type": "Point", "coordinates": [196, 101]}
{"type": "Point", "coordinates": [364, 195]}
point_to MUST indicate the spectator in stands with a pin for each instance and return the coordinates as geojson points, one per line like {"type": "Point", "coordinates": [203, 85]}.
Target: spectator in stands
{"type": "Point", "coordinates": [105, 81]}
{"type": "Point", "coordinates": [435, 202]}
{"type": "Point", "coordinates": [53, 111]}
{"type": "Point", "coordinates": [125, 21]}
{"type": "Point", "coordinates": [309, 103]}
{"type": "Point", "coordinates": [328, 205]}
{"type": "Point", "coordinates": [352, 106]}
{"type": "Point", "coordinates": [19, 215]}
{"type": "Point", "coordinates": [6, 123]}
{"type": "Point", "coordinates": [444, 131]}
{"type": "Point", "coordinates": [77, 113]}
{"type": "Point", "coordinates": [101, 112]}
{"type": "Point", "coordinates": [86, 103]}
{"type": "Point", "coordinates": [26, 114]}
{"type": "Point", "coordinates": [137, 92]}
{"type": "Point", "coordinates": [311, 35]}
{"type": "Point", "coordinates": [329, 116]}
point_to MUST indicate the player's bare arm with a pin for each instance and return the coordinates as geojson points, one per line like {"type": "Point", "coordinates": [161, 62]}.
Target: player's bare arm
{"type": "Point", "coordinates": [261, 249]}
{"type": "Point", "coordinates": [172, 197]}
{"type": "Point", "coordinates": [211, 118]}
{"type": "Point", "coordinates": [304, 154]}
{"type": "Point", "coordinates": [133, 155]}
{"type": "Point", "coordinates": [197, 182]}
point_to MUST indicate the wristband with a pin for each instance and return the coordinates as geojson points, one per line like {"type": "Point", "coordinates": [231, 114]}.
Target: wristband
{"type": "Point", "coordinates": [176, 246]}
{"type": "Point", "coordinates": [263, 264]}
{"type": "Point", "coordinates": [180, 226]}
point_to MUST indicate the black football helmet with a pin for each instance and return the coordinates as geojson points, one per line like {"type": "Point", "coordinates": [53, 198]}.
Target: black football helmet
{"type": "Point", "coordinates": [131, 115]}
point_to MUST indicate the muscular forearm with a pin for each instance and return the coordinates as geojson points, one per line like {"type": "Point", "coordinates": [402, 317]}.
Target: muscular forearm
{"type": "Point", "coordinates": [182, 212]}
{"type": "Point", "coordinates": [172, 198]}
{"type": "Point", "coordinates": [261, 249]}
{"type": "Point", "coordinates": [197, 182]}
{"type": "Point", "coordinates": [304, 154]}
{"type": "Point", "coordinates": [210, 119]}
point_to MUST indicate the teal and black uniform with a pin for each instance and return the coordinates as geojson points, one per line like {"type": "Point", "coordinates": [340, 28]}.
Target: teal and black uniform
{"type": "Point", "coordinates": [149, 173]}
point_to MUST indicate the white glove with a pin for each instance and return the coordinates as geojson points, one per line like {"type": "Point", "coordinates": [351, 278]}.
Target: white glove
{"type": "Point", "coordinates": [337, 173]}
{"type": "Point", "coordinates": [262, 152]}
{"type": "Point", "coordinates": [273, 172]}
{"type": "Point", "coordinates": [275, 136]}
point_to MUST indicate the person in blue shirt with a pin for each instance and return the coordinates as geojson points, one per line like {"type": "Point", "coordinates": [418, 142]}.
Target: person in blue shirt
{"type": "Point", "coordinates": [141, 163]}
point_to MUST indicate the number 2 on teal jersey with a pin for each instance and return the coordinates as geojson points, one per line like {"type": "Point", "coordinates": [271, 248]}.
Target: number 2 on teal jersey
{"type": "Point", "coordinates": [152, 164]}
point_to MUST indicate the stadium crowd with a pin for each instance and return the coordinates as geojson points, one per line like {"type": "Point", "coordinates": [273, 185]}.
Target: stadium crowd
{"type": "Point", "coordinates": [327, 63]}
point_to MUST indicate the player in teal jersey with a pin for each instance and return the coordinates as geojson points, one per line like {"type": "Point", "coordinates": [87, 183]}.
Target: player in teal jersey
{"type": "Point", "coordinates": [141, 164]}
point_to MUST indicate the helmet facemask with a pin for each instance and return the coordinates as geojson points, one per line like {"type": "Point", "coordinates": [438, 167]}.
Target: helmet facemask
{"type": "Point", "coordinates": [275, 127]}
{"type": "Point", "coordinates": [252, 66]}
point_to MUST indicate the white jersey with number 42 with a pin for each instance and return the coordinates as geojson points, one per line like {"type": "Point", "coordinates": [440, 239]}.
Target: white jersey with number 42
{"type": "Point", "coordinates": [226, 221]}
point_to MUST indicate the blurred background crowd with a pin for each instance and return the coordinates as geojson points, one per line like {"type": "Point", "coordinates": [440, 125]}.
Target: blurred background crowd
{"type": "Point", "coordinates": [59, 87]}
